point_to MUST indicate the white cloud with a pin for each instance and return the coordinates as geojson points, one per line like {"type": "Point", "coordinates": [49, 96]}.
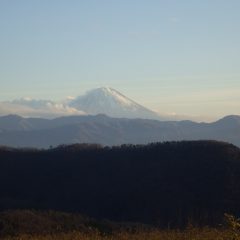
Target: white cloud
{"type": "Point", "coordinates": [38, 108]}
{"type": "Point", "coordinates": [173, 116]}
{"type": "Point", "coordinates": [70, 98]}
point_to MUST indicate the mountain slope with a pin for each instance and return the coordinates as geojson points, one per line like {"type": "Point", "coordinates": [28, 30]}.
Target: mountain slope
{"type": "Point", "coordinates": [111, 102]}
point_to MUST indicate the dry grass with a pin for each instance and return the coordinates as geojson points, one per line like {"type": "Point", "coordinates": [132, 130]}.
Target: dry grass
{"type": "Point", "coordinates": [229, 231]}
{"type": "Point", "coordinates": [189, 234]}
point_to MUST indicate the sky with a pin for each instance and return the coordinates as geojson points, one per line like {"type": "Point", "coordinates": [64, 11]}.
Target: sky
{"type": "Point", "coordinates": [175, 57]}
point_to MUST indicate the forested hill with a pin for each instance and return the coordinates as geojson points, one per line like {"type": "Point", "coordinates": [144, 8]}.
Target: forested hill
{"type": "Point", "coordinates": [167, 184]}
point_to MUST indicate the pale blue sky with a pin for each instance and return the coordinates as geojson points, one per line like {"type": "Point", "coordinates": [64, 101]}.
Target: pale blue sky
{"type": "Point", "coordinates": [171, 56]}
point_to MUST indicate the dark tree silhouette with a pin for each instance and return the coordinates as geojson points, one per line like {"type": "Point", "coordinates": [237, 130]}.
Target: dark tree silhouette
{"type": "Point", "coordinates": [167, 184]}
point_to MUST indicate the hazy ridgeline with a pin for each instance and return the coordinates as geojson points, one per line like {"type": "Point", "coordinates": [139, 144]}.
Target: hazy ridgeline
{"type": "Point", "coordinates": [165, 184]}
{"type": "Point", "coordinates": [16, 131]}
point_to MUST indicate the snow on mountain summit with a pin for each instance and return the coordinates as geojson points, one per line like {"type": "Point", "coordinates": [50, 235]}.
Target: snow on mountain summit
{"type": "Point", "coordinates": [109, 101]}
{"type": "Point", "coordinates": [114, 95]}
{"type": "Point", "coordinates": [107, 95]}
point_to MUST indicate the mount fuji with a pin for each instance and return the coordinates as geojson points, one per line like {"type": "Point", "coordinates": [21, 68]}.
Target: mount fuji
{"type": "Point", "coordinates": [109, 101]}
{"type": "Point", "coordinates": [104, 100]}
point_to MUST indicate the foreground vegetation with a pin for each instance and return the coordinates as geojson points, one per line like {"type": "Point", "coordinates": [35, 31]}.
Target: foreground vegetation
{"type": "Point", "coordinates": [163, 184]}
{"type": "Point", "coordinates": [193, 234]}
{"type": "Point", "coordinates": [162, 191]}
{"type": "Point", "coordinates": [35, 225]}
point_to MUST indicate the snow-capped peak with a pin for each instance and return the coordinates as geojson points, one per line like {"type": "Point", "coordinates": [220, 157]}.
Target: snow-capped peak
{"type": "Point", "coordinates": [109, 101]}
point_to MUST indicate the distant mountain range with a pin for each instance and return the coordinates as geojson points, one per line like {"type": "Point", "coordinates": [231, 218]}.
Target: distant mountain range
{"type": "Point", "coordinates": [38, 132]}
{"type": "Point", "coordinates": [103, 100]}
